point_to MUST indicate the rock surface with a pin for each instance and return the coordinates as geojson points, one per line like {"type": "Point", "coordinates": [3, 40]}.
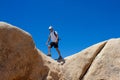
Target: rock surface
{"type": "Point", "coordinates": [21, 60]}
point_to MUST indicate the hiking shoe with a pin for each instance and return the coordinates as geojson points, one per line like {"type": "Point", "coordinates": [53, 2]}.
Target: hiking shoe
{"type": "Point", "coordinates": [49, 55]}
{"type": "Point", "coordinates": [60, 57]}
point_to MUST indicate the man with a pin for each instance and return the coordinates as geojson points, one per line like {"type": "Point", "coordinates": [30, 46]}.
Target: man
{"type": "Point", "coordinates": [53, 37]}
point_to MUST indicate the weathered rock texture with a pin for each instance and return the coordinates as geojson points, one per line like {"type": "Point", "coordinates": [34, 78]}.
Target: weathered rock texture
{"type": "Point", "coordinates": [21, 60]}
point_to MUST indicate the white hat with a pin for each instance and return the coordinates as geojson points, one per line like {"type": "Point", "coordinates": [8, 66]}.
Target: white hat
{"type": "Point", "coordinates": [50, 27]}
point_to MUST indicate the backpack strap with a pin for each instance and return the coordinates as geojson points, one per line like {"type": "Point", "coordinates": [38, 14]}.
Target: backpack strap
{"type": "Point", "coordinates": [55, 34]}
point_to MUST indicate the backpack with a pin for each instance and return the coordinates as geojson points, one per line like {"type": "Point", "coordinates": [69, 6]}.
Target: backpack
{"type": "Point", "coordinates": [56, 36]}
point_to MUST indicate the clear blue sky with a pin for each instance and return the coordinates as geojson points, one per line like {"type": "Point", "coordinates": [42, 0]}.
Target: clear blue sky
{"type": "Point", "coordinates": [80, 23]}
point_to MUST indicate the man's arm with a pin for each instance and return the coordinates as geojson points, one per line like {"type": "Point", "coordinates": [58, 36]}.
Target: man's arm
{"type": "Point", "coordinates": [48, 40]}
{"type": "Point", "coordinates": [56, 37]}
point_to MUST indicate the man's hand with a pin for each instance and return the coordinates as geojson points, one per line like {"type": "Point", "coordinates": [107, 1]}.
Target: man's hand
{"type": "Point", "coordinates": [46, 43]}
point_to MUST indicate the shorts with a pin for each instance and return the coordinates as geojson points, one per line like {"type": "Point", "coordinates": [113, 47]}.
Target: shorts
{"type": "Point", "coordinates": [54, 44]}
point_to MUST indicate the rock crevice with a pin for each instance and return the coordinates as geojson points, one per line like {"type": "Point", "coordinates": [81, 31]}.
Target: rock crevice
{"type": "Point", "coordinates": [97, 52]}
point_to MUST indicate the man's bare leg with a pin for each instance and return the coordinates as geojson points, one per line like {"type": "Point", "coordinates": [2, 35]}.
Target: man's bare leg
{"type": "Point", "coordinates": [49, 50]}
{"type": "Point", "coordinates": [60, 57]}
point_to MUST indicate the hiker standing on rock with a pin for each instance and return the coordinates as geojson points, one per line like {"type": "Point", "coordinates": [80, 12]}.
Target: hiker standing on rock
{"type": "Point", "coordinates": [53, 37]}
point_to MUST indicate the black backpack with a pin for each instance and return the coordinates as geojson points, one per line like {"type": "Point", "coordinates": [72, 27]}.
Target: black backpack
{"type": "Point", "coordinates": [56, 36]}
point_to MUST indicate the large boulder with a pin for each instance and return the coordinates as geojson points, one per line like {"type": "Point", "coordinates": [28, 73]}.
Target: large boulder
{"type": "Point", "coordinates": [106, 65]}
{"type": "Point", "coordinates": [20, 59]}
{"type": "Point", "coordinates": [98, 62]}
